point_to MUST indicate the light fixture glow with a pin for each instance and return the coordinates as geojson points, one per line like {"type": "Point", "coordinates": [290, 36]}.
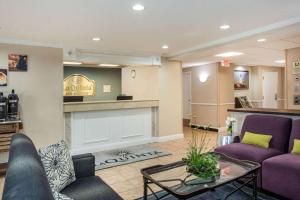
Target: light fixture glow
{"type": "Point", "coordinates": [261, 40]}
{"type": "Point", "coordinates": [108, 65]}
{"type": "Point", "coordinates": [165, 47]}
{"type": "Point", "coordinates": [71, 63]}
{"type": "Point", "coordinates": [203, 77]}
{"type": "Point", "coordinates": [225, 26]}
{"type": "Point", "coordinates": [240, 68]}
{"type": "Point", "coordinates": [280, 61]}
{"type": "Point", "coordinates": [138, 7]}
{"type": "Point", "coordinates": [96, 39]}
{"type": "Point", "coordinates": [229, 54]}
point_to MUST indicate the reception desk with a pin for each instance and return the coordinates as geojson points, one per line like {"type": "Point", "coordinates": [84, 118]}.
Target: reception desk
{"type": "Point", "coordinates": [240, 114]}
{"type": "Point", "coordinates": [101, 125]}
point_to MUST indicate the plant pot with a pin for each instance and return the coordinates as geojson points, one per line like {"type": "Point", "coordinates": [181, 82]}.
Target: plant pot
{"type": "Point", "coordinates": [204, 166]}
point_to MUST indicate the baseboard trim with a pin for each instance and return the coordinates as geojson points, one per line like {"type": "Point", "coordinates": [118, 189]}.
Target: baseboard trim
{"type": "Point", "coordinates": [168, 137]}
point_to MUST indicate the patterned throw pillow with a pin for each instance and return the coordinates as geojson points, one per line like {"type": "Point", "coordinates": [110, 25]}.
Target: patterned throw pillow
{"type": "Point", "coordinates": [60, 196]}
{"type": "Point", "coordinates": [58, 165]}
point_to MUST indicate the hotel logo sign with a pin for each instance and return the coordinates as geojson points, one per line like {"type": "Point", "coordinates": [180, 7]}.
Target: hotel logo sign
{"type": "Point", "coordinates": [79, 85]}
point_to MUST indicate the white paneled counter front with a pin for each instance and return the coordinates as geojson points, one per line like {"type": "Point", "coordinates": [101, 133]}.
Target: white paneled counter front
{"type": "Point", "coordinates": [103, 125]}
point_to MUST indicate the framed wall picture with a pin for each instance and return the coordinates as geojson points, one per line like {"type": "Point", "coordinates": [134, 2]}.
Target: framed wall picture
{"type": "Point", "coordinates": [17, 62]}
{"type": "Point", "coordinates": [241, 80]}
{"type": "Point", "coordinates": [296, 67]}
{"type": "Point", "coordinates": [3, 77]}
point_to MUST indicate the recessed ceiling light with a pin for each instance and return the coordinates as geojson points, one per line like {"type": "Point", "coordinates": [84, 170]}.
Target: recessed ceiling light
{"type": "Point", "coordinates": [165, 47]}
{"type": "Point", "coordinates": [71, 63]}
{"type": "Point", "coordinates": [261, 40]}
{"type": "Point", "coordinates": [96, 39]}
{"type": "Point", "coordinates": [108, 65]}
{"type": "Point", "coordinates": [280, 61]}
{"type": "Point", "coordinates": [225, 26]}
{"type": "Point", "coordinates": [229, 54]}
{"type": "Point", "coordinates": [138, 7]}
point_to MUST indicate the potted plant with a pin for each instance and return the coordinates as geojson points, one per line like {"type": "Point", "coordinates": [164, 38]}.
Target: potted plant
{"type": "Point", "coordinates": [200, 161]}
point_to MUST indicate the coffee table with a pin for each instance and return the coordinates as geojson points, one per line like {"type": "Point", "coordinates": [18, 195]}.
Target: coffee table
{"type": "Point", "coordinates": [175, 180]}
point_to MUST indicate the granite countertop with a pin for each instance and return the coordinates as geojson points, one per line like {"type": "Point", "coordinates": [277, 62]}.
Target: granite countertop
{"type": "Point", "coordinates": [105, 101]}
{"type": "Point", "coordinates": [267, 111]}
{"type": "Point", "coordinates": [108, 105]}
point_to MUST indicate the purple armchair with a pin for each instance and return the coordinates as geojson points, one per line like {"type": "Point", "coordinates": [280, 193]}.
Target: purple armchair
{"type": "Point", "coordinates": [281, 174]}
{"type": "Point", "coordinates": [278, 127]}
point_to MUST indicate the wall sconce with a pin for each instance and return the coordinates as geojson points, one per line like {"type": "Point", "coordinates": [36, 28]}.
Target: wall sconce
{"type": "Point", "coordinates": [133, 73]}
{"type": "Point", "coordinates": [203, 77]}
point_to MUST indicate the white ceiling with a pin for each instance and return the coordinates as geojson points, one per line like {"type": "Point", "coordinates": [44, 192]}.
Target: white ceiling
{"type": "Point", "coordinates": [255, 54]}
{"type": "Point", "coordinates": [187, 26]}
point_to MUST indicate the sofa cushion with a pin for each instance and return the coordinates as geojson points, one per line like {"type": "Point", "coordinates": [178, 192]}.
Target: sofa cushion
{"type": "Point", "coordinates": [281, 175]}
{"type": "Point", "coordinates": [58, 165]}
{"type": "Point", "coordinates": [90, 188]}
{"type": "Point", "coordinates": [295, 134]}
{"type": "Point", "coordinates": [278, 127]}
{"type": "Point", "coordinates": [260, 140]}
{"type": "Point", "coordinates": [247, 152]}
{"type": "Point", "coordinates": [296, 147]}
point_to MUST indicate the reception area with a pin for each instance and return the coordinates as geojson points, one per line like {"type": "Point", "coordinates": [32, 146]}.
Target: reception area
{"type": "Point", "coordinates": [148, 100]}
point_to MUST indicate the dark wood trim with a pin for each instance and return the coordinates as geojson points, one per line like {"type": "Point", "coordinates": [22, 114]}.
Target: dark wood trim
{"type": "Point", "coordinates": [267, 111]}
{"type": "Point", "coordinates": [3, 167]}
{"type": "Point", "coordinates": [205, 128]}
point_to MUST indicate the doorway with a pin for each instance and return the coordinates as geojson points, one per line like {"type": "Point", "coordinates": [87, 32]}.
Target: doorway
{"type": "Point", "coordinates": [187, 95]}
{"type": "Point", "coordinates": [270, 89]}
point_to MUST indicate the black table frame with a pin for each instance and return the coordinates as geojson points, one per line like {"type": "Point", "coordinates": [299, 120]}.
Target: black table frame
{"type": "Point", "coordinates": [246, 179]}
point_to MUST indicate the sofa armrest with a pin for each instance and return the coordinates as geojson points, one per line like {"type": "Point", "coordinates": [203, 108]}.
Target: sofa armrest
{"type": "Point", "coordinates": [236, 139]}
{"type": "Point", "coordinates": [84, 165]}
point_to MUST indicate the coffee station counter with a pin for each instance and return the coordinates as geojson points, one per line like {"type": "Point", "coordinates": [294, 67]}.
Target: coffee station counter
{"type": "Point", "coordinates": [93, 126]}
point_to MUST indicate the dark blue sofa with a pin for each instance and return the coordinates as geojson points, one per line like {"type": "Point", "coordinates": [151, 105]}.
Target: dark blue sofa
{"type": "Point", "coordinates": [26, 178]}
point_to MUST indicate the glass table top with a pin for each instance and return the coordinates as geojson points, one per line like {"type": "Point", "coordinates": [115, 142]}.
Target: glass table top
{"type": "Point", "coordinates": [175, 178]}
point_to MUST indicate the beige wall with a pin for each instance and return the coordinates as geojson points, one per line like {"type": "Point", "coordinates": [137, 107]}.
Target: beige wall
{"type": "Point", "coordinates": [255, 91]}
{"type": "Point", "coordinates": [144, 86]}
{"type": "Point", "coordinates": [40, 91]}
{"type": "Point", "coordinates": [204, 95]}
{"type": "Point", "coordinates": [163, 83]}
{"type": "Point", "coordinates": [170, 98]}
{"type": "Point", "coordinates": [210, 100]}
{"type": "Point", "coordinates": [225, 93]}
{"type": "Point", "coordinates": [292, 55]}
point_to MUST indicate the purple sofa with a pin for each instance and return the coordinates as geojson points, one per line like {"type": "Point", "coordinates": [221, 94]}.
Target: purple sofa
{"type": "Point", "coordinates": [278, 127]}
{"type": "Point", "coordinates": [281, 174]}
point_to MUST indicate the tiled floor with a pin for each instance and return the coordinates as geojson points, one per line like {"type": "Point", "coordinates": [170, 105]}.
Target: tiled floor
{"type": "Point", "coordinates": [127, 179]}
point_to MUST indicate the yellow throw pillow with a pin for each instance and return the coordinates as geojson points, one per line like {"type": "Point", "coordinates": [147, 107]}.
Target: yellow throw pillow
{"type": "Point", "coordinates": [296, 147]}
{"type": "Point", "coordinates": [260, 140]}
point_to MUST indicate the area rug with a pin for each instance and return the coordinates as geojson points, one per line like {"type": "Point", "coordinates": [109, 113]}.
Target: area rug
{"type": "Point", "coordinates": [219, 194]}
{"type": "Point", "coordinates": [113, 158]}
